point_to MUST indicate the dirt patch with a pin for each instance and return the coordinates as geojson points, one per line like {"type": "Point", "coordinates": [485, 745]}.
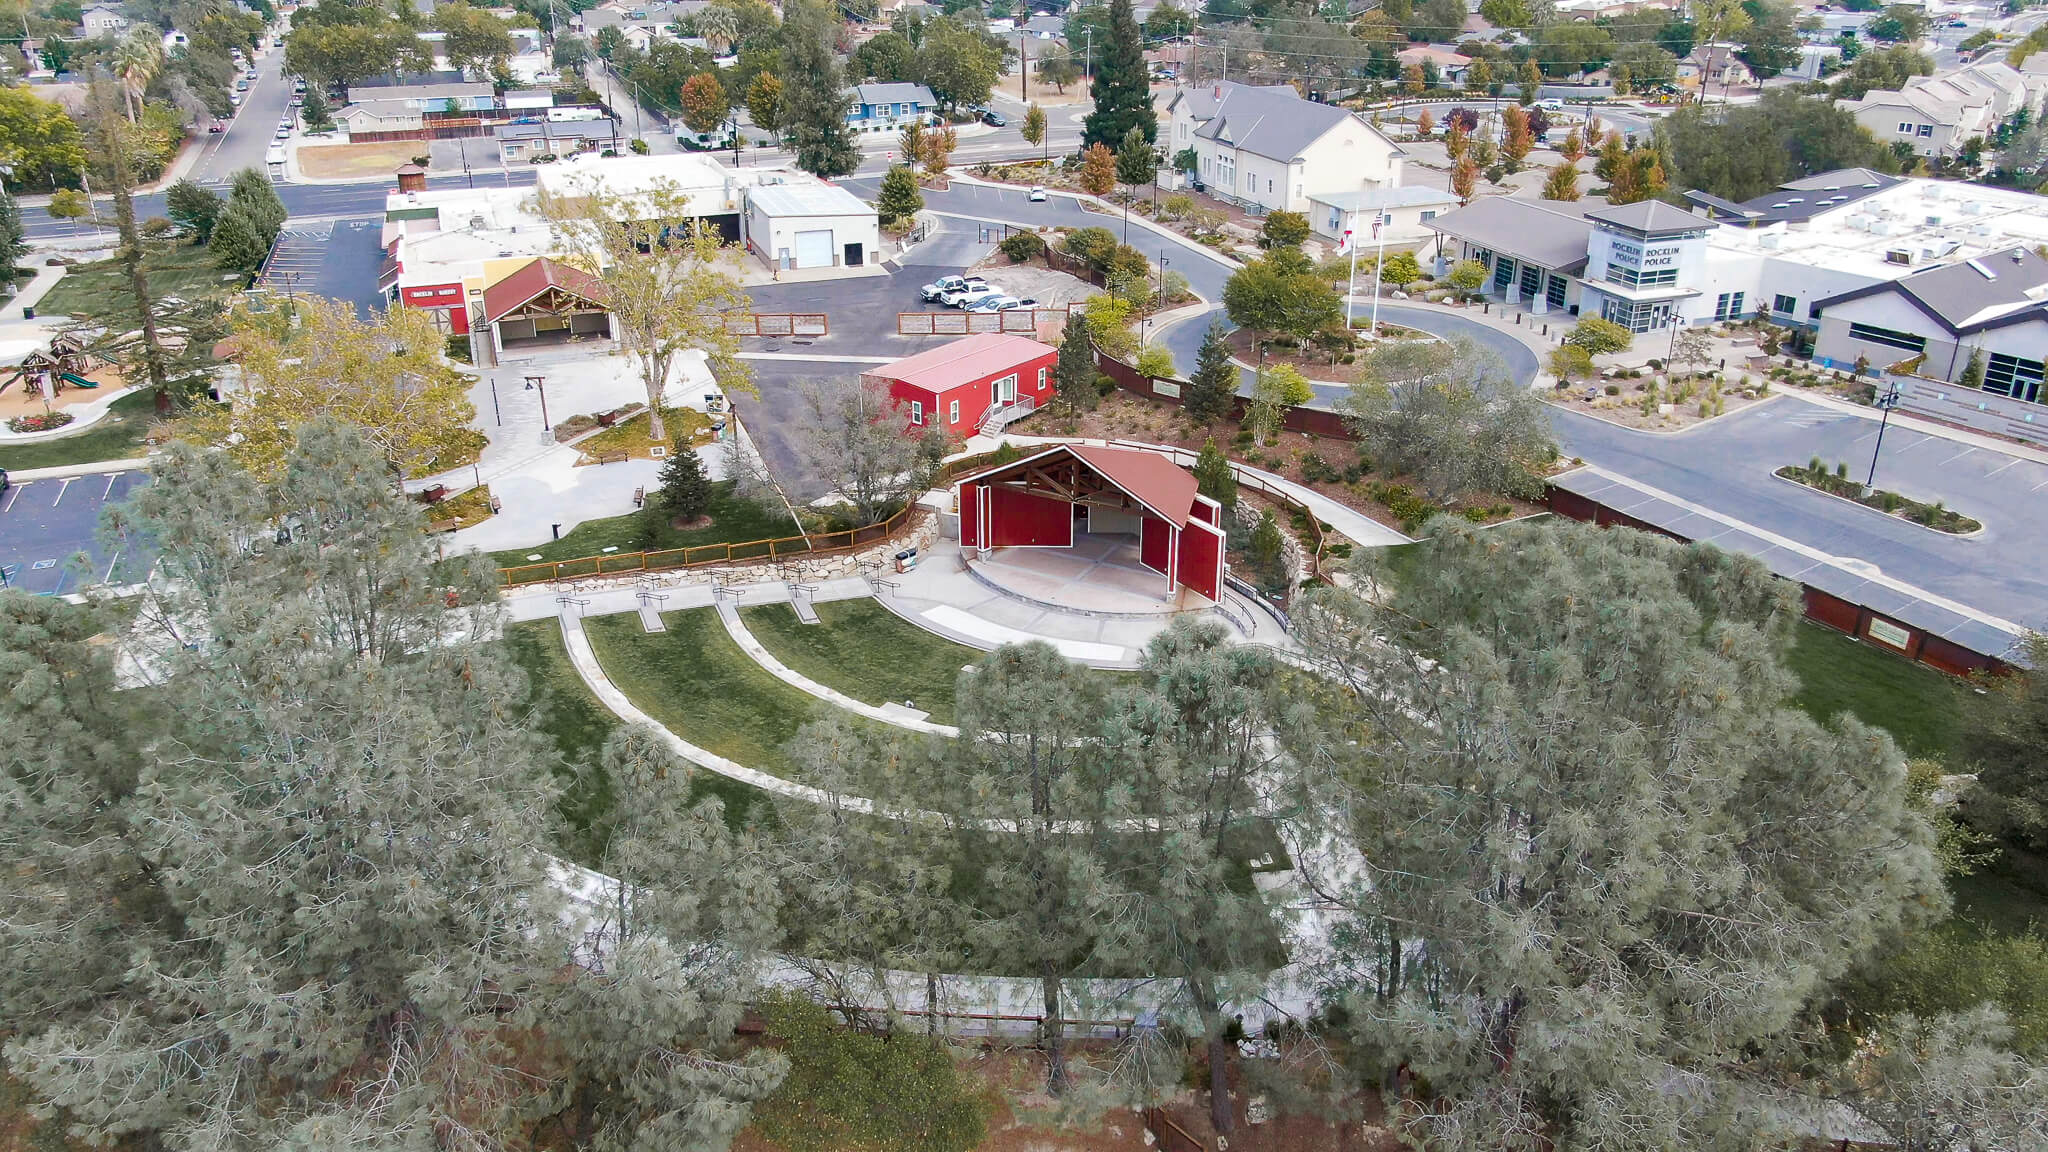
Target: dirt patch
{"type": "Point", "coordinates": [1334, 468]}
{"type": "Point", "coordinates": [1655, 406]}
{"type": "Point", "coordinates": [347, 161]}
{"type": "Point", "coordinates": [1310, 362]}
{"type": "Point", "coordinates": [1034, 280]}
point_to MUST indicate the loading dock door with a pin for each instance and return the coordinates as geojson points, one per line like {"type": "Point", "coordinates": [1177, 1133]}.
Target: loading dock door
{"type": "Point", "coordinates": [814, 249]}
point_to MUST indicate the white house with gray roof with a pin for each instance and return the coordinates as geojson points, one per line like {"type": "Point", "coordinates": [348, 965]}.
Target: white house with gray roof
{"type": "Point", "coordinates": [1270, 150]}
{"type": "Point", "coordinates": [1389, 215]}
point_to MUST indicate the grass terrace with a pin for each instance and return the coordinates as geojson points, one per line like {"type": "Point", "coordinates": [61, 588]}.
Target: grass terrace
{"type": "Point", "coordinates": [186, 271]}
{"type": "Point", "coordinates": [867, 652]}
{"type": "Point", "coordinates": [115, 436]}
{"type": "Point", "coordinates": [1913, 702]}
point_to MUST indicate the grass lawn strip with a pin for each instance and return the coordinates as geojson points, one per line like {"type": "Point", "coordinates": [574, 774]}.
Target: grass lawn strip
{"type": "Point", "coordinates": [1913, 702]}
{"type": "Point", "coordinates": [732, 521]}
{"type": "Point", "coordinates": [693, 680]}
{"type": "Point", "coordinates": [867, 652]}
{"type": "Point", "coordinates": [186, 271]}
{"type": "Point", "coordinates": [115, 436]}
{"type": "Point", "coordinates": [634, 436]}
{"type": "Point", "coordinates": [568, 714]}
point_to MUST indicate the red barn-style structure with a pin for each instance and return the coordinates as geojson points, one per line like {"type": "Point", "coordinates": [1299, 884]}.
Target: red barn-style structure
{"type": "Point", "coordinates": [1054, 496]}
{"type": "Point", "coordinates": [957, 386]}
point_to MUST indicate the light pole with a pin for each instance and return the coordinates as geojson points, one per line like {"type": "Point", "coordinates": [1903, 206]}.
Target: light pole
{"type": "Point", "coordinates": [541, 382]}
{"type": "Point", "coordinates": [1379, 261]}
{"type": "Point", "coordinates": [1885, 401]}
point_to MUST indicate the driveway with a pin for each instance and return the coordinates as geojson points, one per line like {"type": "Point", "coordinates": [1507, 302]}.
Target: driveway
{"type": "Point", "coordinates": [45, 524]}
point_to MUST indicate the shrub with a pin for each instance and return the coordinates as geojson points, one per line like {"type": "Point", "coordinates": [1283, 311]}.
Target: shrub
{"type": "Point", "coordinates": [1091, 244]}
{"type": "Point", "coordinates": [1570, 362]}
{"type": "Point", "coordinates": [1316, 470]}
{"type": "Point", "coordinates": [638, 146]}
{"type": "Point", "coordinates": [423, 161]}
{"type": "Point", "coordinates": [1599, 336]}
{"type": "Point", "coordinates": [1614, 389]}
{"type": "Point", "coordinates": [1405, 505]}
{"type": "Point", "coordinates": [1022, 246]}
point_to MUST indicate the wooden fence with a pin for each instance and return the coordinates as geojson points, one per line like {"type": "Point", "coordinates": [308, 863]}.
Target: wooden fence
{"type": "Point", "coordinates": [1020, 320]}
{"type": "Point", "coordinates": [699, 555]}
{"type": "Point", "coordinates": [1171, 1136]}
{"type": "Point", "coordinates": [778, 324]}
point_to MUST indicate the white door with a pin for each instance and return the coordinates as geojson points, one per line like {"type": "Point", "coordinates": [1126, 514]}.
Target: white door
{"type": "Point", "coordinates": [1006, 390]}
{"type": "Point", "coordinates": [814, 249]}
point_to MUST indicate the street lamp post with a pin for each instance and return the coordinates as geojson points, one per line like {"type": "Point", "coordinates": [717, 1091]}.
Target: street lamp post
{"type": "Point", "coordinates": [541, 383]}
{"type": "Point", "coordinates": [1885, 401]}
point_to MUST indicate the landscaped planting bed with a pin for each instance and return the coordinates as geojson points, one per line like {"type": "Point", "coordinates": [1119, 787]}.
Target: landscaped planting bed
{"type": "Point", "coordinates": [1815, 475]}
{"type": "Point", "coordinates": [865, 651]}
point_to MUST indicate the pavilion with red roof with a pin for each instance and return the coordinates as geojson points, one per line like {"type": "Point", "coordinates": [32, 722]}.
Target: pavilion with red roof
{"type": "Point", "coordinates": [545, 302]}
{"type": "Point", "coordinates": [1099, 500]}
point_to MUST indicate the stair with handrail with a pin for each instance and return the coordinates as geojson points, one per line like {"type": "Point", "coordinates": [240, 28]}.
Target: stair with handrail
{"type": "Point", "coordinates": [999, 416]}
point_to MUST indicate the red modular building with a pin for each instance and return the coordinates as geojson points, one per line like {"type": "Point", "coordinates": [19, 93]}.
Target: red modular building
{"type": "Point", "coordinates": [1048, 498]}
{"type": "Point", "coordinates": [957, 386]}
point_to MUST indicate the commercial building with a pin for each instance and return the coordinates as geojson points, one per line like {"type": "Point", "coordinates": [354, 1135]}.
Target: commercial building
{"type": "Point", "coordinates": [811, 225]}
{"type": "Point", "coordinates": [956, 387]}
{"type": "Point", "coordinates": [1270, 150]}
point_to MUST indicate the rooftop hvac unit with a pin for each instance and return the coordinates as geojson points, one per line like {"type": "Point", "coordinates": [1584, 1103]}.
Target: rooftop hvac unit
{"type": "Point", "coordinates": [1770, 240]}
{"type": "Point", "coordinates": [1934, 221]}
{"type": "Point", "coordinates": [1972, 207]}
{"type": "Point", "coordinates": [1898, 256]}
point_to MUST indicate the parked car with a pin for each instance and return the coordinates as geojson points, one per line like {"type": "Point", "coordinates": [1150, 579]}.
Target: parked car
{"type": "Point", "coordinates": [241, 85]}
{"type": "Point", "coordinates": [964, 296]}
{"type": "Point", "coordinates": [1551, 104]}
{"type": "Point", "coordinates": [945, 284]}
{"type": "Point", "coordinates": [1027, 302]}
{"type": "Point", "coordinates": [216, 127]}
{"type": "Point", "coordinates": [1037, 194]}
{"type": "Point", "coordinates": [995, 303]}
{"type": "Point", "coordinates": [298, 101]}
{"type": "Point", "coordinates": [283, 133]}
{"type": "Point", "coordinates": [993, 118]}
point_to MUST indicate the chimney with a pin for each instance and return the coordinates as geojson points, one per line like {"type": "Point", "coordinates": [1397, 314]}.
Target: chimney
{"type": "Point", "coordinates": [412, 178]}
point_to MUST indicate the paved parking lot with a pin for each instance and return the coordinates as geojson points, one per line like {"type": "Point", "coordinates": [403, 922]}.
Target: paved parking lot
{"type": "Point", "coordinates": [338, 260]}
{"type": "Point", "coordinates": [46, 524]}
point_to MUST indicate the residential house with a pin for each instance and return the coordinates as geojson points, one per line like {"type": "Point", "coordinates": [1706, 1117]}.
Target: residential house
{"type": "Point", "coordinates": [1715, 66]}
{"type": "Point", "coordinates": [1268, 149]}
{"type": "Point", "coordinates": [888, 107]}
{"type": "Point", "coordinates": [101, 19]}
{"type": "Point", "coordinates": [1450, 65]}
{"type": "Point", "coordinates": [1934, 123]}
{"type": "Point", "coordinates": [520, 143]}
{"type": "Point", "coordinates": [1583, 10]}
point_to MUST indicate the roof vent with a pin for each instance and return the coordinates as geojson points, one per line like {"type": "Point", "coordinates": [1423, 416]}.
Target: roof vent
{"type": "Point", "coordinates": [1898, 256]}
{"type": "Point", "coordinates": [2018, 255]}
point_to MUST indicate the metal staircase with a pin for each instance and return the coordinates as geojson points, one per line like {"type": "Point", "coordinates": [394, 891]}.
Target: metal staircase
{"type": "Point", "coordinates": [999, 416]}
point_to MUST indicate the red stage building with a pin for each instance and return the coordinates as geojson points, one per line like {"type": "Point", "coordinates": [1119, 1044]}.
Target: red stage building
{"type": "Point", "coordinates": [957, 386]}
{"type": "Point", "coordinates": [1052, 497]}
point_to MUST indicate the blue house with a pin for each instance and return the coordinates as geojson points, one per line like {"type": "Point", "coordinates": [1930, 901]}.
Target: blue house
{"type": "Point", "coordinates": [888, 107]}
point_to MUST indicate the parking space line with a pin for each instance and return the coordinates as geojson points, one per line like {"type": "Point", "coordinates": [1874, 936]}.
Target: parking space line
{"type": "Point", "coordinates": [111, 477]}
{"type": "Point", "coordinates": [2001, 467]}
{"type": "Point", "coordinates": [112, 564]}
{"type": "Point", "coordinates": [2038, 487]}
{"type": "Point", "coordinates": [63, 486]}
{"type": "Point", "coordinates": [1958, 456]}
{"type": "Point", "coordinates": [14, 494]}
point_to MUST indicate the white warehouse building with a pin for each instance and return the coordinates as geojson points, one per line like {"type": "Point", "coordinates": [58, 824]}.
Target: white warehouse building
{"type": "Point", "coordinates": [811, 225]}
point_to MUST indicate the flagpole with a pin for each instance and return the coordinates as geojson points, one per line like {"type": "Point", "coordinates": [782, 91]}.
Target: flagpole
{"type": "Point", "coordinates": [1379, 262]}
{"type": "Point", "coordinates": [1352, 287]}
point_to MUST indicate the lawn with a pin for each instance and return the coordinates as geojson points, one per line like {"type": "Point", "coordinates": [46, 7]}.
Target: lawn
{"type": "Point", "coordinates": [116, 436]}
{"type": "Point", "coordinates": [344, 161]}
{"type": "Point", "coordinates": [184, 271]}
{"type": "Point", "coordinates": [635, 435]}
{"type": "Point", "coordinates": [566, 713]}
{"type": "Point", "coordinates": [732, 521]}
{"type": "Point", "coordinates": [1913, 702]}
{"type": "Point", "coordinates": [867, 652]}
{"type": "Point", "coordinates": [696, 682]}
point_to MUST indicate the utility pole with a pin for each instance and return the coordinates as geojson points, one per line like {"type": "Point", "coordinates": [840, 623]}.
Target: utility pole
{"type": "Point", "coordinates": [1088, 55]}
{"type": "Point", "coordinates": [1024, 68]}
{"type": "Point", "coordinates": [1885, 402]}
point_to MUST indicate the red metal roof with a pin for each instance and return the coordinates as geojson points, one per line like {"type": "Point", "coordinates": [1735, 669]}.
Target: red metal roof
{"type": "Point", "coordinates": [536, 277]}
{"type": "Point", "coordinates": [1163, 487]}
{"type": "Point", "coordinates": [964, 361]}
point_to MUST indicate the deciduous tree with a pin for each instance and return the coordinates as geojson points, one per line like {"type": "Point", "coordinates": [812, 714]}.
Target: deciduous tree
{"type": "Point", "coordinates": [764, 102]}
{"type": "Point", "coordinates": [704, 102]}
{"type": "Point", "coordinates": [663, 285]}
{"type": "Point", "coordinates": [1562, 183]}
{"type": "Point", "coordinates": [1277, 391]}
{"type": "Point", "coordinates": [1465, 178]}
{"type": "Point", "coordinates": [813, 115]}
{"type": "Point", "coordinates": [861, 440]}
{"type": "Point", "coordinates": [1098, 170]}
{"type": "Point", "coordinates": [384, 376]}
{"type": "Point", "coordinates": [1033, 128]}
{"type": "Point", "coordinates": [899, 198]}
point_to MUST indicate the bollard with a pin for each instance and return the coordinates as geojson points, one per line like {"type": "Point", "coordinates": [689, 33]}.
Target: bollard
{"type": "Point", "coordinates": [558, 531]}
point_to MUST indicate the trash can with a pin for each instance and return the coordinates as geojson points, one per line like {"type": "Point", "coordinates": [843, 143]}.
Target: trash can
{"type": "Point", "coordinates": [28, 312]}
{"type": "Point", "coordinates": [906, 560]}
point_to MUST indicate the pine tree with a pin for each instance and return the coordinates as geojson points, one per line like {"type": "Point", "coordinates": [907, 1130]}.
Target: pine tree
{"type": "Point", "coordinates": [193, 209]}
{"type": "Point", "coordinates": [236, 243]}
{"type": "Point", "coordinates": [1122, 88]}
{"type": "Point", "coordinates": [253, 192]}
{"type": "Point", "coordinates": [1074, 372]}
{"type": "Point", "coordinates": [13, 246]}
{"type": "Point", "coordinates": [814, 97]}
{"type": "Point", "coordinates": [899, 199]}
{"type": "Point", "coordinates": [1973, 372]}
{"type": "Point", "coordinates": [1214, 477]}
{"type": "Point", "coordinates": [1531, 85]}
{"type": "Point", "coordinates": [685, 490]}
{"type": "Point", "coordinates": [1136, 162]}
{"type": "Point", "coordinates": [1207, 397]}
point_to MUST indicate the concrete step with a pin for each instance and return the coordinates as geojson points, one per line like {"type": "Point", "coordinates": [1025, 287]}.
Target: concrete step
{"type": "Point", "coordinates": [650, 619]}
{"type": "Point", "coordinates": [805, 613]}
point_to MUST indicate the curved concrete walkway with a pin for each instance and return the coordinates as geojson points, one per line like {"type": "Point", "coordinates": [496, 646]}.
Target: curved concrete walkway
{"type": "Point", "coordinates": [729, 615]}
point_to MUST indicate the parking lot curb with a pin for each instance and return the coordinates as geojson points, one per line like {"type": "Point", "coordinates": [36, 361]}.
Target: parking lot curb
{"type": "Point", "coordinates": [67, 471]}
